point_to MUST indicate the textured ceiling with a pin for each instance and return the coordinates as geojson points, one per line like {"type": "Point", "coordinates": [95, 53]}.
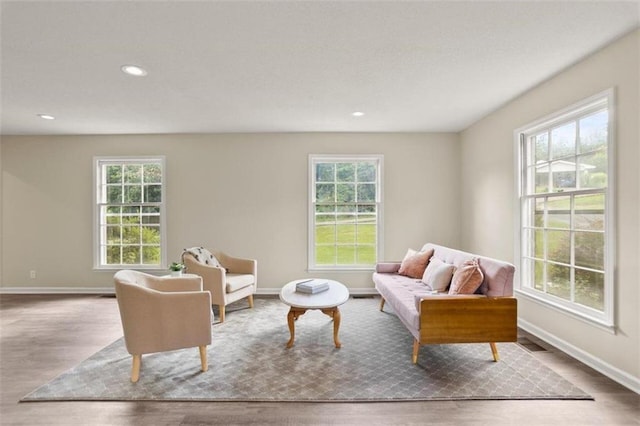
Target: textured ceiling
{"type": "Point", "coordinates": [248, 66]}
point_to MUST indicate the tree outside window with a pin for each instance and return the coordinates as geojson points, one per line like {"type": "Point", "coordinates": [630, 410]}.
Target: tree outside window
{"type": "Point", "coordinates": [566, 235]}
{"type": "Point", "coordinates": [345, 211]}
{"type": "Point", "coordinates": [130, 209]}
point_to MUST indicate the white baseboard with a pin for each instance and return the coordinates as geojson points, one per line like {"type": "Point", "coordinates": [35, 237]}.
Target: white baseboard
{"type": "Point", "coordinates": [110, 290]}
{"type": "Point", "coordinates": [614, 373]}
{"type": "Point", "coordinates": [57, 290]}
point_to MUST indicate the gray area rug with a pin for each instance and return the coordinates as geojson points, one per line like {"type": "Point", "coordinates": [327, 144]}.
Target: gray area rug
{"type": "Point", "coordinates": [248, 361]}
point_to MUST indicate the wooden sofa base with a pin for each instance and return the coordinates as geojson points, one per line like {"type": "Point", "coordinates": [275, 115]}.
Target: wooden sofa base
{"type": "Point", "coordinates": [466, 319]}
{"type": "Point", "coordinates": [416, 349]}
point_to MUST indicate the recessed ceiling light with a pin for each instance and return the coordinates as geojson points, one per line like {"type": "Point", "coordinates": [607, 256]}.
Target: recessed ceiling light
{"type": "Point", "coordinates": [46, 116]}
{"type": "Point", "coordinates": [133, 70]}
{"type": "Point", "coordinates": [357, 114]}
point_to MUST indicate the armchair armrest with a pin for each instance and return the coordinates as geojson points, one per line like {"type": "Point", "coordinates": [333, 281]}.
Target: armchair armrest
{"type": "Point", "coordinates": [174, 284]}
{"type": "Point", "coordinates": [467, 319]}
{"type": "Point", "coordinates": [214, 279]}
{"type": "Point", "coordinates": [237, 265]}
{"type": "Point", "coordinates": [192, 318]}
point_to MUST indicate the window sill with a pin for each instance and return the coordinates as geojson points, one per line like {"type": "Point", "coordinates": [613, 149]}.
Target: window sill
{"type": "Point", "coordinates": [342, 269]}
{"type": "Point", "coordinates": [596, 322]}
{"type": "Point", "coordinates": [135, 267]}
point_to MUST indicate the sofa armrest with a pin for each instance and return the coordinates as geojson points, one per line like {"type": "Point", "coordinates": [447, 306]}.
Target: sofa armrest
{"type": "Point", "coordinates": [468, 319]}
{"type": "Point", "coordinates": [388, 267]}
{"type": "Point", "coordinates": [434, 295]}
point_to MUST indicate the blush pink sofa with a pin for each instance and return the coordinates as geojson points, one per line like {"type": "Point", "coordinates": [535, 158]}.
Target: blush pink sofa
{"type": "Point", "coordinates": [488, 316]}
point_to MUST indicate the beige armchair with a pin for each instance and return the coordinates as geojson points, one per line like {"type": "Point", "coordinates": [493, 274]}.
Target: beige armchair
{"type": "Point", "coordinates": [227, 278]}
{"type": "Point", "coordinates": [162, 314]}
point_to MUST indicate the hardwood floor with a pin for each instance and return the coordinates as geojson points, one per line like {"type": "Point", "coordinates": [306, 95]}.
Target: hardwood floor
{"type": "Point", "coordinates": [41, 336]}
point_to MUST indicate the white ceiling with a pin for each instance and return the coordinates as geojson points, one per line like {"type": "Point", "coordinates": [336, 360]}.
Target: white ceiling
{"type": "Point", "coordinates": [285, 66]}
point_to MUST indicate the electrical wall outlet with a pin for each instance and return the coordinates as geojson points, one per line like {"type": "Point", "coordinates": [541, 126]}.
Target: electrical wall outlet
{"type": "Point", "coordinates": [32, 275]}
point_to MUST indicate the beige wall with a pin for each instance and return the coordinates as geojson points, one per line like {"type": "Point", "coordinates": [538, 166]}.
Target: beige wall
{"type": "Point", "coordinates": [244, 193]}
{"type": "Point", "coordinates": [1, 209]}
{"type": "Point", "coordinates": [489, 209]}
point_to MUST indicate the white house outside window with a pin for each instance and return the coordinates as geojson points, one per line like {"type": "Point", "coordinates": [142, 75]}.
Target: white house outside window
{"type": "Point", "coordinates": [129, 213]}
{"type": "Point", "coordinates": [345, 211]}
{"type": "Point", "coordinates": [566, 206]}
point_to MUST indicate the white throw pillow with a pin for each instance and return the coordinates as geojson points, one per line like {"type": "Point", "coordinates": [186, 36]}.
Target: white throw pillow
{"type": "Point", "coordinates": [203, 256]}
{"type": "Point", "coordinates": [438, 274]}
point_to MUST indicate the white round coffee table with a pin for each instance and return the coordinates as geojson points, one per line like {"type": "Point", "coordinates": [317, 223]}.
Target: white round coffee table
{"type": "Point", "coordinates": [326, 301]}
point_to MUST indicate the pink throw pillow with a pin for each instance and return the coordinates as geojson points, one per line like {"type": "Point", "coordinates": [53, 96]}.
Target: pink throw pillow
{"type": "Point", "coordinates": [467, 278]}
{"type": "Point", "coordinates": [414, 263]}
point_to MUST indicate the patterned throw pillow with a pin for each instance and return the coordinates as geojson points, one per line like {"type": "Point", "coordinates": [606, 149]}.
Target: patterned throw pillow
{"type": "Point", "coordinates": [438, 274]}
{"type": "Point", "coordinates": [414, 263]}
{"type": "Point", "coordinates": [203, 256]}
{"type": "Point", "coordinates": [467, 279]}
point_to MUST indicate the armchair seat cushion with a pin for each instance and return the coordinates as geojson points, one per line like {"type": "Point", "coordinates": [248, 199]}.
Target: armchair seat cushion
{"type": "Point", "coordinates": [237, 282]}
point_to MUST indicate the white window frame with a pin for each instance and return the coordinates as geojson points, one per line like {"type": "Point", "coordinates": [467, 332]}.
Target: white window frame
{"type": "Point", "coordinates": [603, 319]}
{"type": "Point", "coordinates": [324, 158]}
{"type": "Point", "coordinates": [99, 235]}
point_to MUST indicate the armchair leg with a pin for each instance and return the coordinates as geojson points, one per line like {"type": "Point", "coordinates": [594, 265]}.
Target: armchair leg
{"type": "Point", "coordinates": [381, 303]}
{"type": "Point", "coordinates": [251, 301]}
{"type": "Point", "coordinates": [203, 357]}
{"type": "Point", "coordinates": [135, 369]}
{"type": "Point", "coordinates": [416, 348]}
{"type": "Point", "coordinates": [494, 350]}
{"type": "Point", "coordinates": [221, 313]}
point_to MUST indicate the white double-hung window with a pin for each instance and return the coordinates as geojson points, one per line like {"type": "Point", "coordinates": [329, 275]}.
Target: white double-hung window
{"type": "Point", "coordinates": [566, 236]}
{"type": "Point", "coordinates": [129, 213]}
{"type": "Point", "coordinates": [345, 211]}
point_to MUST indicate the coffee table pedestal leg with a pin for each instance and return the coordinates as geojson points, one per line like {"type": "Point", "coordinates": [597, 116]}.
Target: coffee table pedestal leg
{"type": "Point", "coordinates": [294, 313]}
{"type": "Point", "coordinates": [292, 316]}
{"type": "Point", "coordinates": [334, 313]}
